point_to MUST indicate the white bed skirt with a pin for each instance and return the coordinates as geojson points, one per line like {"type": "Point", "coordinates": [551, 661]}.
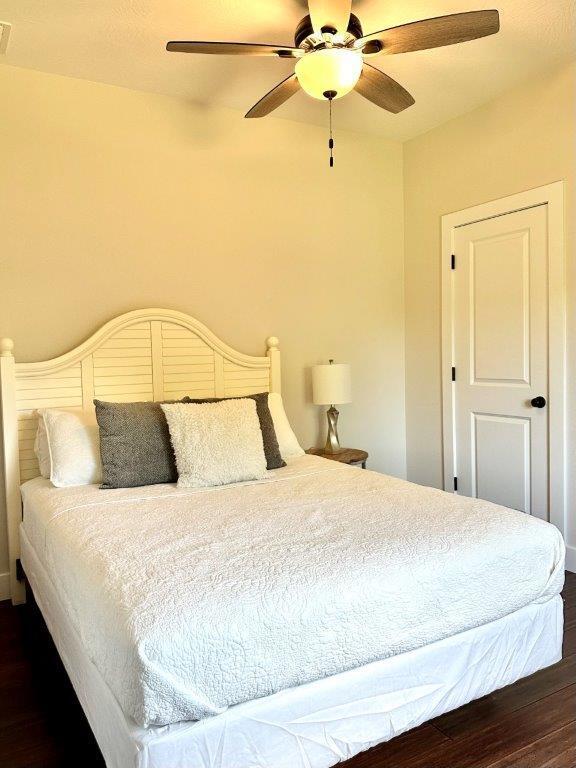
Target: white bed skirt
{"type": "Point", "coordinates": [321, 723]}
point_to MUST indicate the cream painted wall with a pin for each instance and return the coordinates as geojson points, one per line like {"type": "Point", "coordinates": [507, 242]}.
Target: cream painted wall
{"type": "Point", "coordinates": [524, 139]}
{"type": "Point", "coordinates": [113, 199]}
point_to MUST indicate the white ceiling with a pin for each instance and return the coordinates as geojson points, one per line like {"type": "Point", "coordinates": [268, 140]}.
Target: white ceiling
{"type": "Point", "coordinates": [122, 42]}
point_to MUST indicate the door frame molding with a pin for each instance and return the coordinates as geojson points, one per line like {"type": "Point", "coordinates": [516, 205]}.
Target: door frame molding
{"type": "Point", "coordinates": [551, 195]}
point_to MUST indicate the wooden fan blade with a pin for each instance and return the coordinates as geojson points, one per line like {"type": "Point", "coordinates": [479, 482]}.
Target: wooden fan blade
{"type": "Point", "coordinates": [383, 90]}
{"type": "Point", "coordinates": [330, 13]}
{"type": "Point", "coordinates": [431, 33]}
{"type": "Point", "coordinates": [275, 98]}
{"type": "Point", "coordinates": [234, 49]}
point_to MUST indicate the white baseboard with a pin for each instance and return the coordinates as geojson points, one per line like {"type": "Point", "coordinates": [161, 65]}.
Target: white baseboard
{"type": "Point", "coordinates": [4, 586]}
{"type": "Point", "coordinates": [571, 559]}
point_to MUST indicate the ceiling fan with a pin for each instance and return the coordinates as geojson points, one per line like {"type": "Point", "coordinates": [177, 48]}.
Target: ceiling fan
{"type": "Point", "coordinates": [331, 53]}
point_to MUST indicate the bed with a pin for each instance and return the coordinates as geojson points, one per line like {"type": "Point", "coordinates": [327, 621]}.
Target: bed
{"type": "Point", "coordinates": [293, 621]}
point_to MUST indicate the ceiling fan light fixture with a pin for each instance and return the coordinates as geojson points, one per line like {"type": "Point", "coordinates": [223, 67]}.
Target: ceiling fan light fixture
{"type": "Point", "coordinates": [329, 70]}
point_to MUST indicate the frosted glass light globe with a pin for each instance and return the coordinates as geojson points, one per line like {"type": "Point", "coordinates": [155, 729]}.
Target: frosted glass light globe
{"type": "Point", "coordinates": [329, 69]}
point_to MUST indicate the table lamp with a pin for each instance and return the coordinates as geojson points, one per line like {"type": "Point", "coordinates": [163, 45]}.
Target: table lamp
{"type": "Point", "coordinates": [331, 385]}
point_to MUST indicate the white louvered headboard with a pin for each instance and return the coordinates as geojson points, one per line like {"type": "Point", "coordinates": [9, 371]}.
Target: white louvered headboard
{"type": "Point", "coordinates": [148, 354]}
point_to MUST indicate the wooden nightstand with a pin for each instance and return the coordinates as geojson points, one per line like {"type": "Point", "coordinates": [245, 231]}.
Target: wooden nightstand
{"type": "Point", "coordinates": [346, 455]}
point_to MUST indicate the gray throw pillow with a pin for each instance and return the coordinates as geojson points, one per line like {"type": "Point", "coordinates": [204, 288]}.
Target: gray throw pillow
{"type": "Point", "coordinates": [274, 458]}
{"type": "Point", "coordinates": [135, 445]}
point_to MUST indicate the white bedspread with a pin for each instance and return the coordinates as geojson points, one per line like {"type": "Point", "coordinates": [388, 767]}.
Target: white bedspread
{"type": "Point", "coordinates": [191, 601]}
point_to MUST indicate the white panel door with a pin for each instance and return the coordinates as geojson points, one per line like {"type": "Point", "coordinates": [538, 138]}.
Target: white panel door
{"type": "Point", "coordinates": [500, 295]}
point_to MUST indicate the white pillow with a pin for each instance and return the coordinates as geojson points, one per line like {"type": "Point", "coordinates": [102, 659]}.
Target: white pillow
{"type": "Point", "coordinates": [287, 440]}
{"type": "Point", "coordinates": [216, 443]}
{"type": "Point", "coordinates": [74, 446]}
{"type": "Point", "coordinates": [41, 448]}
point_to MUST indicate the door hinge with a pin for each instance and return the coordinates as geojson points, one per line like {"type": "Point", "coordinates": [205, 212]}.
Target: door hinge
{"type": "Point", "coordinates": [453, 373]}
{"type": "Point", "coordinates": [453, 262]}
{"type": "Point", "coordinates": [455, 483]}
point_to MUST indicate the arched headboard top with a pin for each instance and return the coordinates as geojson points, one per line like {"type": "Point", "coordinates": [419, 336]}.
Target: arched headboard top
{"type": "Point", "coordinates": [129, 320]}
{"type": "Point", "coordinates": [146, 354]}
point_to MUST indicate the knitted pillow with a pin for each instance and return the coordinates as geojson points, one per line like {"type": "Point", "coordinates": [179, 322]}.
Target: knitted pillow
{"type": "Point", "coordinates": [135, 445]}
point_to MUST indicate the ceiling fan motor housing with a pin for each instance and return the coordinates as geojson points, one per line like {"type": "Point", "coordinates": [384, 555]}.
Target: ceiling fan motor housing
{"type": "Point", "coordinates": [305, 29]}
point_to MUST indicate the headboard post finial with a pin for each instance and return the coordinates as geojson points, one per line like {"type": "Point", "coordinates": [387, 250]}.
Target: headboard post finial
{"type": "Point", "coordinates": [6, 347]}
{"type": "Point", "coordinates": [272, 342]}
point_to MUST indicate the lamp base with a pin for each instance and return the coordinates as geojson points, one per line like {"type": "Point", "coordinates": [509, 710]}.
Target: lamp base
{"type": "Point", "coordinates": [332, 441]}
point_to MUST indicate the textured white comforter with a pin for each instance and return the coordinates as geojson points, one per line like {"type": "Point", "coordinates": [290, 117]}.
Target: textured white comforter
{"type": "Point", "coordinates": [191, 601]}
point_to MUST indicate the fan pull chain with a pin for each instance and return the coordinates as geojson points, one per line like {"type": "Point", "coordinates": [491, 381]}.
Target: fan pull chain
{"type": "Point", "coordinates": [330, 96]}
{"type": "Point", "coordinates": [331, 140]}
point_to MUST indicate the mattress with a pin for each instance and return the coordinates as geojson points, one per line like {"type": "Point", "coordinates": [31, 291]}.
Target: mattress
{"type": "Point", "coordinates": [321, 723]}
{"type": "Point", "coordinates": [189, 602]}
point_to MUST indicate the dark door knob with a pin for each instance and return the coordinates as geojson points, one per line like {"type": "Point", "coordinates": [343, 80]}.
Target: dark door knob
{"type": "Point", "coordinates": [538, 402]}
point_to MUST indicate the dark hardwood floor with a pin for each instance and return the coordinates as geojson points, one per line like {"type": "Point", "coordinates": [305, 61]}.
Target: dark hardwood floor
{"type": "Point", "coordinates": [531, 724]}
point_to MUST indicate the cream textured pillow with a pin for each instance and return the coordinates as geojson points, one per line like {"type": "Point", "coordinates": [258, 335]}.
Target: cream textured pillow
{"type": "Point", "coordinates": [287, 440]}
{"type": "Point", "coordinates": [74, 446]}
{"type": "Point", "coordinates": [216, 443]}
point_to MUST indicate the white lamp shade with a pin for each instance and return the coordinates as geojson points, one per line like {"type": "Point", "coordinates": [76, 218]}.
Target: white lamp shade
{"type": "Point", "coordinates": [331, 384]}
